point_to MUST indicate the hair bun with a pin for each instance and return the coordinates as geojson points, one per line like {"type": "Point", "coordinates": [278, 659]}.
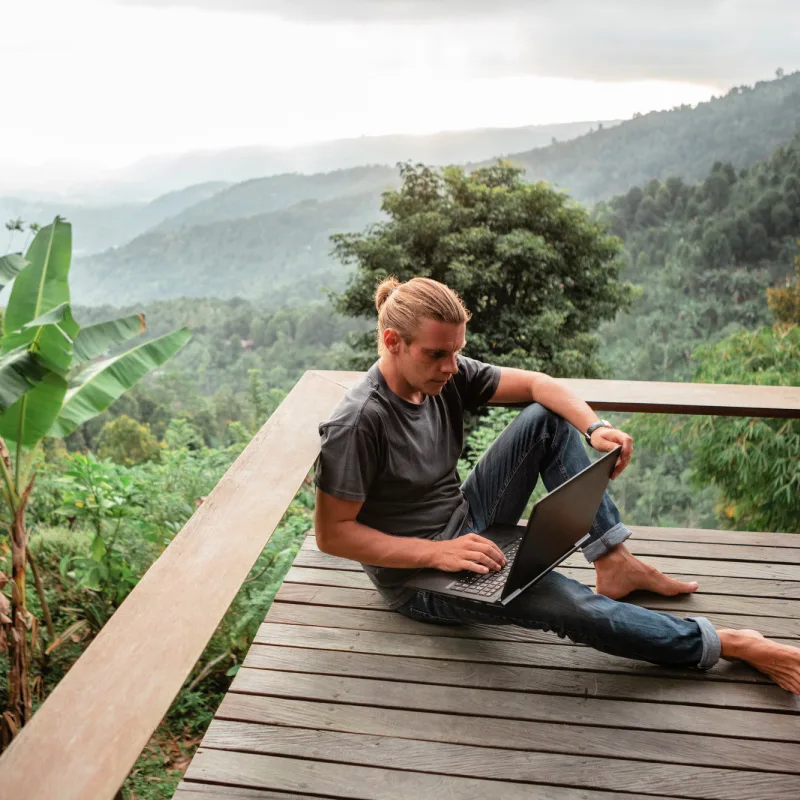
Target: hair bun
{"type": "Point", "coordinates": [385, 288]}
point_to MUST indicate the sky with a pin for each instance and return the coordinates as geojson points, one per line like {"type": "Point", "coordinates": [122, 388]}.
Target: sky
{"type": "Point", "coordinates": [103, 83]}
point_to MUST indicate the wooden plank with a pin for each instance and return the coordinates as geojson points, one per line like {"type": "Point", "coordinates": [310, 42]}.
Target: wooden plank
{"type": "Point", "coordinates": [442, 698]}
{"type": "Point", "coordinates": [700, 535]}
{"type": "Point", "coordinates": [501, 764]}
{"type": "Point", "coordinates": [158, 633]}
{"type": "Point", "coordinates": [711, 536]}
{"type": "Point", "coordinates": [753, 587]}
{"type": "Point", "coordinates": [665, 397]}
{"type": "Point", "coordinates": [471, 729]}
{"type": "Point", "coordinates": [785, 630]}
{"type": "Point", "coordinates": [685, 605]}
{"type": "Point", "coordinates": [206, 791]}
{"type": "Point", "coordinates": [668, 565]}
{"type": "Point", "coordinates": [496, 652]}
{"type": "Point", "coordinates": [364, 783]}
{"type": "Point", "coordinates": [358, 579]}
{"type": "Point", "coordinates": [688, 689]}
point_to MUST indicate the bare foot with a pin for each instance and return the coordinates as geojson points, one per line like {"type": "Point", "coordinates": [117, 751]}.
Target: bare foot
{"type": "Point", "coordinates": [781, 662]}
{"type": "Point", "coordinates": [619, 573]}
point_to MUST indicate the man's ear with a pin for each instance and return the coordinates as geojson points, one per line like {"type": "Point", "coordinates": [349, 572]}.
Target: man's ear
{"type": "Point", "coordinates": [391, 341]}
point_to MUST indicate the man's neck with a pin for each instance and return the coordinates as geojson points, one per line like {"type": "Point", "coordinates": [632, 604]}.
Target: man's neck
{"type": "Point", "coordinates": [397, 383]}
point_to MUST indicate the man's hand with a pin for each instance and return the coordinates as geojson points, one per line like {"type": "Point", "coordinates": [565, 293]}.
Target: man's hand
{"type": "Point", "coordinates": [468, 552]}
{"type": "Point", "coordinates": [606, 439]}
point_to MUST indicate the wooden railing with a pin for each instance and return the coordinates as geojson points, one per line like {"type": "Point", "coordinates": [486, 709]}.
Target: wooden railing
{"type": "Point", "coordinates": [87, 735]}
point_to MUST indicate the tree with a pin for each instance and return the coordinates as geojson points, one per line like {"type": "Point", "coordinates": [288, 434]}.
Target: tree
{"type": "Point", "coordinates": [77, 383]}
{"type": "Point", "coordinates": [755, 462]}
{"type": "Point", "coordinates": [537, 274]}
{"type": "Point", "coordinates": [126, 441]}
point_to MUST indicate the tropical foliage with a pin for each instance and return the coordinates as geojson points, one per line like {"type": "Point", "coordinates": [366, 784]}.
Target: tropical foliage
{"type": "Point", "coordinates": [74, 382]}
{"type": "Point", "coordinates": [534, 271]}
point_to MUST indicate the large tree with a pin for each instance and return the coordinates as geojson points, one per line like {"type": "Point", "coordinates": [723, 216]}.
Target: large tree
{"type": "Point", "coordinates": [536, 272]}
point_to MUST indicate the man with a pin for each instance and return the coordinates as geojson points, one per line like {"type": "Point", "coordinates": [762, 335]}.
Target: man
{"type": "Point", "coordinates": [389, 495]}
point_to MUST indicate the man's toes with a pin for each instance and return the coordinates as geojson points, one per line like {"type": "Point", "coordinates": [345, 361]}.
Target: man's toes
{"type": "Point", "coordinates": [674, 586]}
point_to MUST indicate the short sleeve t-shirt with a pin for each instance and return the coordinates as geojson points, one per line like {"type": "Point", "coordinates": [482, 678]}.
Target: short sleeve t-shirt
{"type": "Point", "coordinates": [400, 460]}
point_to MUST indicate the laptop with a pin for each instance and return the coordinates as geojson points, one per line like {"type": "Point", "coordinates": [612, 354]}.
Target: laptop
{"type": "Point", "coordinates": [557, 526]}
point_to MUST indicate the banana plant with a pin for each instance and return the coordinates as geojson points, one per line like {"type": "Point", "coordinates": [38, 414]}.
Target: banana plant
{"type": "Point", "coordinates": [54, 376]}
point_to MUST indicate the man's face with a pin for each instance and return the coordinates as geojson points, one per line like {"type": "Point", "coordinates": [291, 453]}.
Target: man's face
{"type": "Point", "coordinates": [430, 360]}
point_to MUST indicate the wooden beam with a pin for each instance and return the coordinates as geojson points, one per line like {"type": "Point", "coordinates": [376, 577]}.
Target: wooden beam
{"type": "Point", "coordinates": [724, 399]}
{"type": "Point", "coordinates": [87, 735]}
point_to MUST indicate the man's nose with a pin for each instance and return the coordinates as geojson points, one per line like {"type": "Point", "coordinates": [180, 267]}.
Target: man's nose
{"type": "Point", "coordinates": [451, 366]}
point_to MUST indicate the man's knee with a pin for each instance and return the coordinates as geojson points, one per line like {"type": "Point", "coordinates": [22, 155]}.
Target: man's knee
{"type": "Point", "coordinates": [540, 417]}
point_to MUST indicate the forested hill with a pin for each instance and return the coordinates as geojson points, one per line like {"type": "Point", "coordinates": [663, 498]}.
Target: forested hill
{"type": "Point", "coordinates": [704, 255]}
{"type": "Point", "coordinates": [744, 126]}
{"type": "Point", "coordinates": [282, 257]}
{"type": "Point", "coordinates": [97, 227]}
{"type": "Point", "coordinates": [264, 195]}
{"type": "Point", "coordinates": [260, 236]}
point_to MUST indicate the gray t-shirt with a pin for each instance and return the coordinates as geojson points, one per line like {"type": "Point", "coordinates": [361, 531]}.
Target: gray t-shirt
{"type": "Point", "coordinates": [400, 459]}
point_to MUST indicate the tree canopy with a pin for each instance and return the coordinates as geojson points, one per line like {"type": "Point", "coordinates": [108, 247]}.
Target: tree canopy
{"type": "Point", "coordinates": [535, 271]}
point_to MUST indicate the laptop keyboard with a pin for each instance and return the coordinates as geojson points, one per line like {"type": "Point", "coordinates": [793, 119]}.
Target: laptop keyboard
{"type": "Point", "coordinates": [485, 584]}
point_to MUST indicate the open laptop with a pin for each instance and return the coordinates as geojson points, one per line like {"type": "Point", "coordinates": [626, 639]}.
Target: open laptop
{"type": "Point", "coordinates": [557, 526]}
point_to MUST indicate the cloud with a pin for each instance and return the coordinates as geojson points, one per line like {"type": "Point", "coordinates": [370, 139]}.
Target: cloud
{"type": "Point", "coordinates": [719, 42]}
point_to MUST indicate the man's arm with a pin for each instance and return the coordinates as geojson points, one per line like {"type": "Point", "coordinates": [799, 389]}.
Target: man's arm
{"type": "Point", "coordinates": [519, 385]}
{"type": "Point", "coordinates": [339, 534]}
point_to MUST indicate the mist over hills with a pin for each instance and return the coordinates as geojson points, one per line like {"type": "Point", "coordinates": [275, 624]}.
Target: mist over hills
{"type": "Point", "coordinates": [97, 228]}
{"type": "Point", "coordinates": [162, 173]}
{"type": "Point", "coordinates": [743, 126]}
{"type": "Point", "coordinates": [260, 236]}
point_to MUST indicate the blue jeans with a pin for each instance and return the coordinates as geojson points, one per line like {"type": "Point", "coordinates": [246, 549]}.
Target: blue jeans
{"type": "Point", "coordinates": [539, 442]}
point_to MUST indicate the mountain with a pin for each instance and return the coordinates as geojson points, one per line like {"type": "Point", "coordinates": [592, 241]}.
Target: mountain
{"type": "Point", "coordinates": [448, 147]}
{"type": "Point", "coordinates": [264, 195]}
{"type": "Point", "coordinates": [744, 126]}
{"type": "Point", "coordinates": [281, 256]}
{"type": "Point", "coordinates": [270, 234]}
{"type": "Point", "coordinates": [97, 227]}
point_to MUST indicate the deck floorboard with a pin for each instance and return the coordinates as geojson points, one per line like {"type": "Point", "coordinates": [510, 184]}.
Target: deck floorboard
{"type": "Point", "coordinates": [341, 698]}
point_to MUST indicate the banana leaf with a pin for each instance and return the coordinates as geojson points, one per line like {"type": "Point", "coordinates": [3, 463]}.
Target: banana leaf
{"type": "Point", "coordinates": [105, 381]}
{"type": "Point", "coordinates": [20, 371]}
{"type": "Point", "coordinates": [37, 409]}
{"type": "Point", "coordinates": [50, 336]}
{"type": "Point", "coordinates": [94, 340]}
{"type": "Point", "coordinates": [42, 284]}
{"type": "Point", "coordinates": [10, 266]}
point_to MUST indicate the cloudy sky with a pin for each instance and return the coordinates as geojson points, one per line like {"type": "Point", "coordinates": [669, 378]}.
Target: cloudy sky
{"type": "Point", "coordinates": [102, 83]}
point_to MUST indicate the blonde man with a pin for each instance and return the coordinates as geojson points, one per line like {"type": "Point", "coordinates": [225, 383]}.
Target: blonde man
{"type": "Point", "coordinates": [389, 494]}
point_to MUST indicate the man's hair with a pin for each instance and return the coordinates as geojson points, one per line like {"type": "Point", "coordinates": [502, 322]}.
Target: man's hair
{"type": "Point", "coordinates": [403, 306]}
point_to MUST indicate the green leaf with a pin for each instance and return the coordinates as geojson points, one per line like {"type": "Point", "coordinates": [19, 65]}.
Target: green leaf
{"type": "Point", "coordinates": [39, 408]}
{"type": "Point", "coordinates": [233, 670]}
{"type": "Point", "coordinates": [20, 371]}
{"type": "Point", "coordinates": [10, 266]}
{"type": "Point", "coordinates": [98, 548]}
{"type": "Point", "coordinates": [94, 340]}
{"type": "Point", "coordinates": [42, 284]}
{"type": "Point", "coordinates": [50, 336]}
{"type": "Point", "coordinates": [105, 381]}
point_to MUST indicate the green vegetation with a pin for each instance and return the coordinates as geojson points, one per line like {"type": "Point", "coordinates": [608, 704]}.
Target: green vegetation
{"type": "Point", "coordinates": [742, 127]}
{"type": "Point", "coordinates": [535, 272]}
{"type": "Point", "coordinates": [703, 255]}
{"type": "Point", "coordinates": [67, 391]}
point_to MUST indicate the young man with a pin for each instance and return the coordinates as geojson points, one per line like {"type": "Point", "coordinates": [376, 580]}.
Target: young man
{"type": "Point", "coordinates": [389, 494]}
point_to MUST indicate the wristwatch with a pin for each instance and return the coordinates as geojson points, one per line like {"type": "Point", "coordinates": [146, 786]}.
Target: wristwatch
{"type": "Point", "coordinates": [601, 423]}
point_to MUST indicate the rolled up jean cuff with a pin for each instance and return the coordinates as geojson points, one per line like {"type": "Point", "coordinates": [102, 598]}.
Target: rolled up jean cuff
{"type": "Point", "coordinates": [611, 538]}
{"type": "Point", "coordinates": [712, 646]}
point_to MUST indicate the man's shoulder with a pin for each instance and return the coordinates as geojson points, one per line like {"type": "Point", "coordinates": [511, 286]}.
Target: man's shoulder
{"type": "Point", "coordinates": [361, 407]}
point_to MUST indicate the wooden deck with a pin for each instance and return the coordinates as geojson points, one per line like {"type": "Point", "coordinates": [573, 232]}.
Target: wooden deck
{"type": "Point", "coordinates": [339, 697]}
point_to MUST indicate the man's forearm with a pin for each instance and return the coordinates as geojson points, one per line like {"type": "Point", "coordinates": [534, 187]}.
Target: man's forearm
{"type": "Point", "coordinates": [564, 402]}
{"type": "Point", "coordinates": [359, 542]}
